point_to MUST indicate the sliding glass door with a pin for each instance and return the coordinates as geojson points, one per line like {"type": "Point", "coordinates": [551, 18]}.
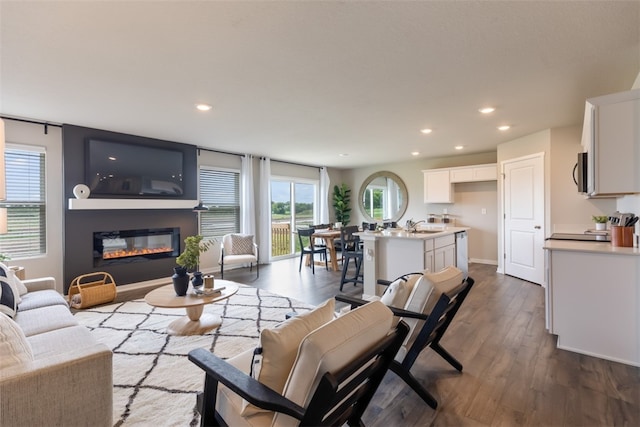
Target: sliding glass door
{"type": "Point", "coordinates": [293, 205]}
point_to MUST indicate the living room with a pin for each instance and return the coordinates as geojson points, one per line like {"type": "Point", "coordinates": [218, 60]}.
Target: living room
{"type": "Point", "coordinates": [102, 89]}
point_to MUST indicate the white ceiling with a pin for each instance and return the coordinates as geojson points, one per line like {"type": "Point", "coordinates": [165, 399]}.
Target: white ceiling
{"type": "Point", "coordinates": [307, 81]}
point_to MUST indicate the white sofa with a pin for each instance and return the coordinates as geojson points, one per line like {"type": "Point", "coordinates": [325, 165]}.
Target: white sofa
{"type": "Point", "coordinates": [59, 375]}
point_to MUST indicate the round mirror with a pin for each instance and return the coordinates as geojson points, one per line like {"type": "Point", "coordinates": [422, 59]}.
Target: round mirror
{"type": "Point", "coordinates": [383, 197]}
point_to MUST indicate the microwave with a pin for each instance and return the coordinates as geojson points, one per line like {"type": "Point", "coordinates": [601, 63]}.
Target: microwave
{"type": "Point", "coordinates": [580, 173]}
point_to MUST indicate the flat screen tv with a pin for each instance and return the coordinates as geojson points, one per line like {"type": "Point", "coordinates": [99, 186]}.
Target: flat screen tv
{"type": "Point", "coordinates": [120, 169]}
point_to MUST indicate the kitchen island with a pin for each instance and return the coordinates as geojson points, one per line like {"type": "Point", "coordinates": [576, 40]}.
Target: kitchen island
{"type": "Point", "coordinates": [592, 299]}
{"type": "Point", "coordinates": [391, 253]}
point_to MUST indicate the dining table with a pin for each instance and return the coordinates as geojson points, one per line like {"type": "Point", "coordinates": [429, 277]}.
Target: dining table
{"type": "Point", "coordinates": [329, 237]}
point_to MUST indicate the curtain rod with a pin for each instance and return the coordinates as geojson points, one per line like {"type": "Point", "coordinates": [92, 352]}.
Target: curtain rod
{"type": "Point", "coordinates": [293, 163]}
{"type": "Point", "coordinates": [34, 122]}
{"type": "Point", "coordinates": [261, 158]}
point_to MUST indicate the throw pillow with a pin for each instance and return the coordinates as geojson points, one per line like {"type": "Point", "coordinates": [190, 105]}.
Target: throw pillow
{"type": "Point", "coordinates": [241, 244]}
{"type": "Point", "coordinates": [18, 287]}
{"type": "Point", "coordinates": [22, 289]}
{"type": "Point", "coordinates": [14, 348]}
{"type": "Point", "coordinates": [280, 347]}
{"type": "Point", "coordinates": [8, 303]}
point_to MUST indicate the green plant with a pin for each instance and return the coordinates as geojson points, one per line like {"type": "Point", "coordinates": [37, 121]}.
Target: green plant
{"type": "Point", "coordinates": [341, 200]}
{"type": "Point", "coordinates": [600, 219]}
{"type": "Point", "coordinates": [4, 257]}
{"type": "Point", "coordinates": [193, 247]}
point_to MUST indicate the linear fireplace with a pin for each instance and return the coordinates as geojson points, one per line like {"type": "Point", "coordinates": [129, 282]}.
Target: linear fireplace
{"type": "Point", "coordinates": [129, 246]}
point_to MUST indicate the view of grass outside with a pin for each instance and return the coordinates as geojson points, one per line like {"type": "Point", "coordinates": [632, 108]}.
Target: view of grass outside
{"type": "Point", "coordinates": [285, 217]}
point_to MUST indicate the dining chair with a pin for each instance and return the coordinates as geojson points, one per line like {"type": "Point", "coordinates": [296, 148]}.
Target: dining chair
{"type": "Point", "coordinates": [307, 247]}
{"type": "Point", "coordinates": [351, 250]}
{"type": "Point", "coordinates": [319, 243]}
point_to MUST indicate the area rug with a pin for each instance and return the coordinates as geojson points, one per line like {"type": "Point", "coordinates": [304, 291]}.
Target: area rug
{"type": "Point", "coordinates": [154, 382]}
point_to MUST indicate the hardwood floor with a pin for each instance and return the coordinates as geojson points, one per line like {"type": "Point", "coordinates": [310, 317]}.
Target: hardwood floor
{"type": "Point", "coordinates": [513, 374]}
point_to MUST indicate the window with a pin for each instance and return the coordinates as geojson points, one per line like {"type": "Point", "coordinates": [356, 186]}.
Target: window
{"type": "Point", "coordinates": [220, 191]}
{"type": "Point", "coordinates": [25, 203]}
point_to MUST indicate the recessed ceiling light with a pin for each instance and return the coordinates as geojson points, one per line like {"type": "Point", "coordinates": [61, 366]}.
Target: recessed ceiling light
{"type": "Point", "coordinates": [203, 107]}
{"type": "Point", "coordinates": [487, 110]}
{"type": "Point", "coordinates": [343, 155]}
{"type": "Point", "coordinates": [415, 153]}
{"type": "Point", "coordinates": [459, 147]}
{"type": "Point", "coordinates": [504, 127]}
{"type": "Point", "coordinates": [426, 131]}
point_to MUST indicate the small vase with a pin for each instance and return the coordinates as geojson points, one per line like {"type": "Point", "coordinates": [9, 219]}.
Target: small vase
{"type": "Point", "coordinates": [180, 281]}
{"type": "Point", "coordinates": [601, 225]}
{"type": "Point", "coordinates": [196, 280]}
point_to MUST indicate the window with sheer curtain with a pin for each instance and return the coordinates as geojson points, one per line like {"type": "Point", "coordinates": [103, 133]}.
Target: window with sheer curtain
{"type": "Point", "coordinates": [220, 192]}
{"type": "Point", "coordinates": [25, 203]}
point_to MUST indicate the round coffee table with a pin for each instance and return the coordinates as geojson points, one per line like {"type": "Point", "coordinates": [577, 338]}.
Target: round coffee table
{"type": "Point", "coordinates": [195, 322]}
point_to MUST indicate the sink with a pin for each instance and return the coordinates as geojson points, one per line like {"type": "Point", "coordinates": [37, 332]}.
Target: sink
{"type": "Point", "coordinates": [428, 231]}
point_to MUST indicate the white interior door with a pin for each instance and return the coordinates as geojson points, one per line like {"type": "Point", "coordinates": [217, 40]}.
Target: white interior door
{"type": "Point", "coordinates": [524, 218]}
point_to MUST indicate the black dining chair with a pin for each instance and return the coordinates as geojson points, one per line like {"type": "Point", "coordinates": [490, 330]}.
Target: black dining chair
{"type": "Point", "coordinates": [308, 248]}
{"type": "Point", "coordinates": [351, 250]}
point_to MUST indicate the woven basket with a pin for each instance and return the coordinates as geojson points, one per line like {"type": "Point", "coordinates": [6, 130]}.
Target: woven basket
{"type": "Point", "coordinates": [93, 289]}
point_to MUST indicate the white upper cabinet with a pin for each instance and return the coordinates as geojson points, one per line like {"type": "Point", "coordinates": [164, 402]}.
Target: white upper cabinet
{"type": "Point", "coordinates": [474, 173]}
{"type": "Point", "coordinates": [611, 137]}
{"type": "Point", "coordinates": [437, 186]}
{"type": "Point", "coordinates": [438, 183]}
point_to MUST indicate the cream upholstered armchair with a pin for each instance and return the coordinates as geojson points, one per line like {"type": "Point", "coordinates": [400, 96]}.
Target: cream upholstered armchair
{"type": "Point", "coordinates": [311, 370]}
{"type": "Point", "coordinates": [238, 249]}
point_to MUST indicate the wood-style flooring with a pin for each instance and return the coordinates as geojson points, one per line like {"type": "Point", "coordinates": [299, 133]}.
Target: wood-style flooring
{"type": "Point", "coordinates": [513, 374]}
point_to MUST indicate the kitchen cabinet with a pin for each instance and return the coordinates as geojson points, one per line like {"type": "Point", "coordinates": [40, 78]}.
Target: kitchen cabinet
{"type": "Point", "coordinates": [444, 252]}
{"type": "Point", "coordinates": [474, 173]}
{"type": "Point", "coordinates": [593, 299]}
{"type": "Point", "coordinates": [611, 139]}
{"type": "Point", "coordinates": [437, 186]}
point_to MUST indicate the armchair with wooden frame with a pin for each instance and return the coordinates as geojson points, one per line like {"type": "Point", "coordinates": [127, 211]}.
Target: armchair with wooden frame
{"type": "Point", "coordinates": [336, 369]}
{"type": "Point", "coordinates": [428, 302]}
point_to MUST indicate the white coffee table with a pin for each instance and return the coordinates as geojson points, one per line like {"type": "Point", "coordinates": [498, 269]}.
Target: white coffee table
{"type": "Point", "coordinates": [195, 322]}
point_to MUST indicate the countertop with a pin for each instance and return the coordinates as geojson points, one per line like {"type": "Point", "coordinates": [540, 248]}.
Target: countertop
{"type": "Point", "coordinates": [590, 247]}
{"type": "Point", "coordinates": [400, 233]}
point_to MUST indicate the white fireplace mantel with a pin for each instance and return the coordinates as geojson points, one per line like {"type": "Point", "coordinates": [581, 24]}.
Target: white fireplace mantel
{"type": "Point", "coordinates": [103, 204]}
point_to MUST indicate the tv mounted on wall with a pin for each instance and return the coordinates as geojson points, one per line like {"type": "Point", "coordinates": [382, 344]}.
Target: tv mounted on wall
{"type": "Point", "coordinates": [121, 169]}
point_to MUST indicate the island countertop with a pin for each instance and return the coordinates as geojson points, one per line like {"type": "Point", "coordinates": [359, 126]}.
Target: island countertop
{"type": "Point", "coordinates": [423, 233]}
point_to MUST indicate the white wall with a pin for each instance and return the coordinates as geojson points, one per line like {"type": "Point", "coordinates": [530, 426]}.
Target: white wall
{"type": "Point", "coordinates": [49, 264]}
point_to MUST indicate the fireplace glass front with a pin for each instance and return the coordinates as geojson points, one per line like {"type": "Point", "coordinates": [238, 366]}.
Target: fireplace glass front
{"type": "Point", "coordinates": [128, 246]}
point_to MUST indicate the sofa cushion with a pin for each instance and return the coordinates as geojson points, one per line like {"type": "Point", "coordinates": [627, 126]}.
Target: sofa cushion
{"type": "Point", "coordinates": [279, 347]}
{"type": "Point", "coordinates": [14, 348]}
{"type": "Point", "coordinates": [40, 299]}
{"type": "Point", "coordinates": [45, 319]}
{"type": "Point", "coordinates": [332, 347]}
{"type": "Point", "coordinates": [8, 298]}
{"type": "Point", "coordinates": [60, 340]}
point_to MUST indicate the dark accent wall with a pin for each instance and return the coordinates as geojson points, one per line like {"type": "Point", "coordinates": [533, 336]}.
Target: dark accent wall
{"type": "Point", "coordinates": [79, 225]}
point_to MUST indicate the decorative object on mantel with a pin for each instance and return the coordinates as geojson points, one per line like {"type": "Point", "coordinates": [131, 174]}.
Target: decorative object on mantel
{"type": "Point", "coordinates": [81, 191]}
{"type": "Point", "coordinates": [190, 257]}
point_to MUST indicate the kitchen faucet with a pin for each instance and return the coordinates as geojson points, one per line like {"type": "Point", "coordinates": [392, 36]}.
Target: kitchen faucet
{"type": "Point", "coordinates": [413, 226]}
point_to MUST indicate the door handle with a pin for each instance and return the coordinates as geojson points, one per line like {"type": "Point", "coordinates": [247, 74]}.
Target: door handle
{"type": "Point", "coordinates": [537, 227]}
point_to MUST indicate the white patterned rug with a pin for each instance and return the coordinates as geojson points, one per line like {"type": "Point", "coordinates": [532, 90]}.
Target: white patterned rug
{"type": "Point", "coordinates": [154, 382]}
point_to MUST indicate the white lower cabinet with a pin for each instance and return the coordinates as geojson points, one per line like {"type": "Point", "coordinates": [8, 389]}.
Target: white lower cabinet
{"type": "Point", "coordinates": [593, 301]}
{"type": "Point", "coordinates": [444, 252]}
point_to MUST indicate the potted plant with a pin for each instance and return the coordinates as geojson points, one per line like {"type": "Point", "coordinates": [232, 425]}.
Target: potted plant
{"type": "Point", "coordinates": [601, 221]}
{"type": "Point", "coordinates": [188, 260]}
{"type": "Point", "coordinates": [341, 200]}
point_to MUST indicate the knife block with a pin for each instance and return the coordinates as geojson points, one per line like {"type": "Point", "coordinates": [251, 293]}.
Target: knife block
{"type": "Point", "coordinates": [622, 236]}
